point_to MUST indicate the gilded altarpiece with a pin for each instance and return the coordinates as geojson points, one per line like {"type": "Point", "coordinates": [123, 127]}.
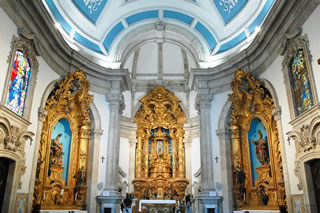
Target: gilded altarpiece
{"type": "Point", "coordinates": [258, 181]}
{"type": "Point", "coordinates": [61, 174]}
{"type": "Point", "coordinates": [160, 152]}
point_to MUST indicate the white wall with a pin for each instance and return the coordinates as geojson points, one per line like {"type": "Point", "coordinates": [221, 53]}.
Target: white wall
{"type": "Point", "coordinates": [7, 32]}
{"type": "Point", "coordinates": [124, 157]}
{"type": "Point", "coordinates": [195, 158]}
{"type": "Point", "coordinates": [217, 105]}
{"type": "Point", "coordinates": [103, 108]}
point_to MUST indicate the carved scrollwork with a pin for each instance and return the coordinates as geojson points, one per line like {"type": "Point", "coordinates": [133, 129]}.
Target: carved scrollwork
{"type": "Point", "coordinates": [250, 100]}
{"type": "Point", "coordinates": [69, 100]}
{"type": "Point", "coordinates": [160, 120]}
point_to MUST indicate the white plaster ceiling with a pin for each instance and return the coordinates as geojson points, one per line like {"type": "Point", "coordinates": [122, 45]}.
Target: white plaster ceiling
{"type": "Point", "coordinates": [108, 31]}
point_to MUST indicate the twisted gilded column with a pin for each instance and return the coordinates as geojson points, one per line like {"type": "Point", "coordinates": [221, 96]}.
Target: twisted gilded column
{"type": "Point", "coordinates": [140, 136]}
{"type": "Point", "coordinates": [174, 154]}
{"type": "Point", "coordinates": [180, 134]}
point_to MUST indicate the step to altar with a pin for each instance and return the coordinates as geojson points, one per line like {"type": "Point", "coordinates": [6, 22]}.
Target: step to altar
{"type": "Point", "coordinates": [64, 211]}
{"type": "Point", "coordinates": [256, 211]}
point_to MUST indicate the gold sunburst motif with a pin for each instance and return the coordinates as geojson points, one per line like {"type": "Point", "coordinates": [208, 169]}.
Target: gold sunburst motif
{"type": "Point", "coordinates": [69, 100]}
{"type": "Point", "coordinates": [250, 101]}
{"type": "Point", "coordinates": [160, 163]}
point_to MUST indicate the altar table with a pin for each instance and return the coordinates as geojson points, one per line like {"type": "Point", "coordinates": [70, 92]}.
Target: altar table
{"type": "Point", "coordinates": [169, 203]}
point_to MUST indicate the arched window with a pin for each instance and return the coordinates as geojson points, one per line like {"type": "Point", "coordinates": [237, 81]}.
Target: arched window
{"type": "Point", "coordinates": [297, 70]}
{"type": "Point", "coordinates": [19, 82]}
{"type": "Point", "coordinates": [302, 92]}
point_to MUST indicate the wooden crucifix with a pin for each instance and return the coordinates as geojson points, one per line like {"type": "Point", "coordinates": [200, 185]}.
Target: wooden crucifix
{"type": "Point", "coordinates": [102, 158]}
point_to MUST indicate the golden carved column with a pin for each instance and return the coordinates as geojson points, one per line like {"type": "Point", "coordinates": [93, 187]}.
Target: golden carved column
{"type": "Point", "coordinates": [145, 156]}
{"type": "Point", "coordinates": [140, 137]}
{"type": "Point", "coordinates": [174, 155]}
{"type": "Point", "coordinates": [180, 134]}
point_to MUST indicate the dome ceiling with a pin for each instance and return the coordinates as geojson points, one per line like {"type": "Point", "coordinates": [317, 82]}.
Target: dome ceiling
{"type": "Point", "coordinates": [210, 29]}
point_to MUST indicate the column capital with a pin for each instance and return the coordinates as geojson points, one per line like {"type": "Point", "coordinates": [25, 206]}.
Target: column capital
{"type": "Point", "coordinates": [116, 102]}
{"type": "Point", "coordinates": [42, 114]}
{"type": "Point", "coordinates": [222, 132]}
{"type": "Point", "coordinates": [97, 132]}
{"type": "Point", "coordinates": [203, 101]}
{"type": "Point", "coordinates": [276, 113]}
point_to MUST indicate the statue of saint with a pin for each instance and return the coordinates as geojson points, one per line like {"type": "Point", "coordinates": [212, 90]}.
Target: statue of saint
{"type": "Point", "coordinates": [56, 150]}
{"type": "Point", "coordinates": [261, 149]}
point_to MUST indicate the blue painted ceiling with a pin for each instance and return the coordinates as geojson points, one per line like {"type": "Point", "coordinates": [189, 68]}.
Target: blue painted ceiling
{"type": "Point", "coordinates": [95, 25]}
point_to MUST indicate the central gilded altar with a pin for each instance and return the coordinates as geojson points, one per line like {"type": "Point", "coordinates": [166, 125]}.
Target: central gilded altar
{"type": "Point", "coordinates": [160, 161]}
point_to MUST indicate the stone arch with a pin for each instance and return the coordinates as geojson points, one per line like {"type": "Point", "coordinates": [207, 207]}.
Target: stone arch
{"type": "Point", "coordinates": [223, 133]}
{"type": "Point", "coordinates": [12, 142]}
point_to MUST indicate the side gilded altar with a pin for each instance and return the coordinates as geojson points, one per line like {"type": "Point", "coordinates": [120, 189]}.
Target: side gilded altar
{"type": "Point", "coordinates": [160, 163]}
{"type": "Point", "coordinates": [61, 174]}
{"type": "Point", "coordinates": [258, 181]}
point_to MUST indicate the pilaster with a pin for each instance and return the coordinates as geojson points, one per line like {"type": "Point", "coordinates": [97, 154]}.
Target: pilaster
{"type": "Point", "coordinates": [226, 170]}
{"type": "Point", "coordinates": [42, 114]}
{"type": "Point", "coordinates": [132, 157]}
{"type": "Point", "coordinates": [93, 169]}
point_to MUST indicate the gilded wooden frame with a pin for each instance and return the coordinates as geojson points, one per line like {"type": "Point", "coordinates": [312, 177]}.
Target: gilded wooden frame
{"type": "Point", "coordinates": [160, 109]}
{"type": "Point", "coordinates": [69, 100]}
{"type": "Point", "coordinates": [250, 100]}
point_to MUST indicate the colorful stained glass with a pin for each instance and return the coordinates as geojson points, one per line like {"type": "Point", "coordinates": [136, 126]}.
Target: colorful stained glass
{"type": "Point", "coordinates": [302, 93]}
{"type": "Point", "coordinates": [19, 81]}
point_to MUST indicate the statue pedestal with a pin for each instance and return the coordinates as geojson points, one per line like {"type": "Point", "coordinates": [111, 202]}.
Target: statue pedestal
{"type": "Point", "coordinates": [109, 200]}
{"type": "Point", "coordinates": [209, 201]}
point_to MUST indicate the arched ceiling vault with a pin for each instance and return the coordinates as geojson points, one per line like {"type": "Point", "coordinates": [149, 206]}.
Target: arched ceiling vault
{"type": "Point", "coordinates": [60, 49]}
{"type": "Point", "coordinates": [104, 28]}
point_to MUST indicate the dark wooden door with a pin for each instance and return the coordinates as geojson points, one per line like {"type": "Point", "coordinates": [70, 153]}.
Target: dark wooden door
{"type": "Point", "coordinates": [315, 169]}
{"type": "Point", "coordinates": [4, 167]}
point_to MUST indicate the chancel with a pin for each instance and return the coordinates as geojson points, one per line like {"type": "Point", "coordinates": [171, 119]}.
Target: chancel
{"type": "Point", "coordinates": [160, 106]}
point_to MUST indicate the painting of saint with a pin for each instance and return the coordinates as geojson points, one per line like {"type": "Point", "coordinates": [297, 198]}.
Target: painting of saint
{"type": "Point", "coordinates": [159, 147]}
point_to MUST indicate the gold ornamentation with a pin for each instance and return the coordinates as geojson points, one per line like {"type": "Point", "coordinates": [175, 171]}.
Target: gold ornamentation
{"type": "Point", "coordinates": [251, 100]}
{"type": "Point", "coordinates": [70, 100]}
{"type": "Point", "coordinates": [160, 122]}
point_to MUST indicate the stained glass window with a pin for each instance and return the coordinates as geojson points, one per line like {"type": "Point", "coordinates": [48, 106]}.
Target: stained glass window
{"type": "Point", "coordinates": [18, 86]}
{"type": "Point", "coordinates": [302, 92]}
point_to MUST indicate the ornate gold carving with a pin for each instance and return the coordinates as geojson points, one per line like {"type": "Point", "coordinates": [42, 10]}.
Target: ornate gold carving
{"type": "Point", "coordinates": [69, 100]}
{"type": "Point", "coordinates": [251, 100]}
{"type": "Point", "coordinates": [160, 173]}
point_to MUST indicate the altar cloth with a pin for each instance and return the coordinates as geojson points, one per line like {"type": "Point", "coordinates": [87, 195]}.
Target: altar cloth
{"type": "Point", "coordinates": [156, 202]}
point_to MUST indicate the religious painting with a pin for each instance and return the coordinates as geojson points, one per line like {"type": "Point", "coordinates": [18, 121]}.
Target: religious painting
{"type": "Point", "coordinates": [18, 85]}
{"type": "Point", "coordinates": [21, 203]}
{"type": "Point", "coordinates": [258, 145]}
{"type": "Point", "coordinates": [302, 92]}
{"type": "Point", "coordinates": [298, 204]}
{"type": "Point", "coordinates": [60, 146]}
{"type": "Point", "coordinates": [159, 147]}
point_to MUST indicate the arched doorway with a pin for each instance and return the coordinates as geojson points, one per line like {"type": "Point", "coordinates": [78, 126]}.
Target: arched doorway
{"type": "Point", "coordinates": [4, 171]}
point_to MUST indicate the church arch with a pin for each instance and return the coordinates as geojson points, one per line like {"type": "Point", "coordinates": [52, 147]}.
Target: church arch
{"type": "Point", "coordinates": [223, 132]}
